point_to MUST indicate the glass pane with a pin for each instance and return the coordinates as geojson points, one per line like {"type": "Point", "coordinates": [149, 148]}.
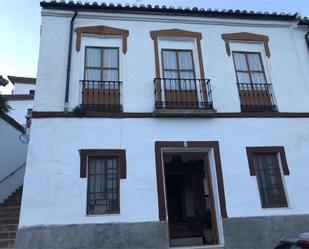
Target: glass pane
{"type": "Point", "coordinates": [254, 62]}
{"type": "Point", "coordinates": [185, 60]}
{"type": "Point", "coordinates": [243, 78]}
{"type": "Point", "coordinates": [169, 59]}
{"type": "Point", "coordinates": [170, 74]}
{"type": "Point", "coordinates": [240, 61]}
{"type": "Point", "coordinates": [110, 75]}
{"type": "Point", "coordinates": [93, 74]}
{"type": "Point", "coordinates": [93, 57]}
{"type": "Point", "coordinates": [102, 184]}
{"type": "Point", "coordinates": [258, 78]}
{"type": "Point", "coordinates": [110, 57]}
{"type": "Point", "coordinates": [170, 84]}
{"type": "Point", "coordinates": [269, 179]}
{"type": "Point", "coordinates": [186, 75]}
{"type": "Point", "coordinates": [186, 83]}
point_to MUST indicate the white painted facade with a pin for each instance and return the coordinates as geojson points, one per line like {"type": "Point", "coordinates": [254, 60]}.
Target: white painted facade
{"type": "Point", "coordinates": [53, 161]}
{"type": "Point", "coordinates": [286, 65]}
{"type": "Point", "coordinates": [13, 154]}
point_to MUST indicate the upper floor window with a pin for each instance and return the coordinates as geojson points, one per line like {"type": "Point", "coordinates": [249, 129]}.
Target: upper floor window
{"type": "Point", "coordinates": [101, 87]}
{"type": "Point", "coordinates": [101, 64]}
{"type": "Point", "coordinates": [249, 67]}
{"type": "Point", "coordinates": [178, 64]}
{"type": "Point", "coordinates": [254, 91]}
{"type": "Point", "coordinates": [179, 83]}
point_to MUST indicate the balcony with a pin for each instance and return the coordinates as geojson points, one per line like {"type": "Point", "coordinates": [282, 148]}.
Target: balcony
{"type": "Point", "coordinates": [182, 94]}
{"type": "Point", "coordinates": [101, 96]}
{"type": "Point", "coordinates": [256, 97]}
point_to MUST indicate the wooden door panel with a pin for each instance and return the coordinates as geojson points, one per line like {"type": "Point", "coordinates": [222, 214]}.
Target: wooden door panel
{"type": "Point", "coordinates": [255, 98]}
{"type": "Point", "coordinates": [181, 98]}
{"type": "Point", "coordinates": [107, 97]}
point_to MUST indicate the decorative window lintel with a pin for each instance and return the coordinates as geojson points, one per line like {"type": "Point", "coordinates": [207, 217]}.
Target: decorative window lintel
{"type": "Point", "coordinates": [245, 36]}
{"type": "Point", "coordinates": [102, 30]}
{"type": "Point", "coordinates": [85, 153]}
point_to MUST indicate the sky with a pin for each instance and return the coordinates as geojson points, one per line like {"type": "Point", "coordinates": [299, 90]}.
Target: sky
{"type": "Point", "coordinates": [20, 26]}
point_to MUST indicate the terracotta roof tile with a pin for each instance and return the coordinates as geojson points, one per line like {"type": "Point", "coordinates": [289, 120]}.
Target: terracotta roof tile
{"type": "Point", "coordinates": [20, 79]}
{"type": "Point", "coordinates": [152, 9]}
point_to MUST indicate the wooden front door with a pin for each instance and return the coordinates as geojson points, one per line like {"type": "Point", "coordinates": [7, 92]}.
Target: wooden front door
{"type": "Point", "coordinates": [190, 209]}
{"type": "Point", "coordinates": [179, 81]}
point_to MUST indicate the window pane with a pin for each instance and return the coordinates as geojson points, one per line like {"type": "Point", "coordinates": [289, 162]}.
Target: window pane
{"type": "Point", "coordinates": [110, 75]}
{"type": "Point", "coordinates": [254, 62]}
{"type": "Point", "coordinates": [186, 75]}
{"type": "Point", "coordinates": [243, 78]}
{"type": "Point", "coordinates": [169, 59]}
{"type": "Point", "coordinates": [110, 57]}
{"type": "Point", "coordinates": [269, 180]}
{"type": "Point", "coordinates": [240, 61]}
{"type": "Point", "coordinates": [103, 192]}
{"type": "Point", "coordinates": [93, 74]}
{"type": "Point", "coordinates": [170, 83]}
{"type": "Point", "coordinates": [185, 60]}
{"type": "Point", "coordinates": [93, 57]}
{"type": "Point", "coordinates": [186, 83]}
{"type": "Point", "coordinates": [170, 74]}
{"type": "Point", "coordinates": [258, 78]}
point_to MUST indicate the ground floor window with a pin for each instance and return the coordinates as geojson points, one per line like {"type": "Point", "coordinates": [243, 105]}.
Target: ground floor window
{"type": "Point", "coordinates": [265, 165]}
{"type": "Point", "coordinates": [103, 169]}
{"type": "Point", "coordinates": [103, 185]}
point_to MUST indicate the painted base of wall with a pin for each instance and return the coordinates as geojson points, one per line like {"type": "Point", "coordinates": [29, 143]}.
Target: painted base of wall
{"type": "Point", "coordinates": [152, 235]}
{"type": "Point", "coordinates": [262, 232]}
{"type": "Point", "coordinates": [239, 233]}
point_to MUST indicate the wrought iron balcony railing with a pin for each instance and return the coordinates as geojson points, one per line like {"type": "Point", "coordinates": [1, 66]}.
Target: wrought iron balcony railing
{"type": "Point", "coordinates": [256, 97]}
{"type": "Point", "coordinates": [182, 93]}
{"type": "Point", "coordinates": [101, 96]}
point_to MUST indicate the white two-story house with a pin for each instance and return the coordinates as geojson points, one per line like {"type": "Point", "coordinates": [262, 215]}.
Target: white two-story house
{"type": "Point", "coordinates": [158, 127]}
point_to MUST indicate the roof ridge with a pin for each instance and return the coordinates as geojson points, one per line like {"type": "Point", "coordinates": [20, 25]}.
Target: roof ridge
{"type": "Point", "coordinates": [163, 8]}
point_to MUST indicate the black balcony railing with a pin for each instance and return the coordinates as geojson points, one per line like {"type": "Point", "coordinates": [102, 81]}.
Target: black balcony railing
{"type": "Point", "coordinates": [182, 93]}
{"type": "Point", "coordinates": [101, 96]}
{"type": "Point", "coordinates": [256, 97]}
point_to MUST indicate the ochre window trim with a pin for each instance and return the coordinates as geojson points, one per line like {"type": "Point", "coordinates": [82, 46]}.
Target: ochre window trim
{"type": "Point", "coordinates": [102, 30]}
{"type": "Point", "coordinates": [245, 36]}
{"type": "Point", "coordinates": [121, 154]}
{"type": "Point", "coordinates": [261, 150]}
{"type": "Point", "coordinates": [176, 33]}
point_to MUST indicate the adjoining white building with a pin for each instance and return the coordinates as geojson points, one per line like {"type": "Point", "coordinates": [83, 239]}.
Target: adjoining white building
{"type": "Point", "coordinates": [157, 127]}
{"type": "Point", "coordinates": [21, 99]}
{"type": "Point", "coordinates": [13, 153]}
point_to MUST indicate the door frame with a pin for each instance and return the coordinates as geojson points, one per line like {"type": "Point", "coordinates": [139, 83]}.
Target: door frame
{"type": "Point", "coordinates": [204, 147]}
{"type": "Point", "coordinates": [207, 171]}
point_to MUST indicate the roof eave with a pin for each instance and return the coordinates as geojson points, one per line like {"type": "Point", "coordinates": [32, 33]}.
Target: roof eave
{"type": "Point", "coordinates": [71, 6]}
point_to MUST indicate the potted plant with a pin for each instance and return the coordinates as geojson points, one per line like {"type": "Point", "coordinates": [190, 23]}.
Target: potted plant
{"type": "Point", "coordinates": [78, 110]}
{"type": "Point", "coordinates": [204, 220]}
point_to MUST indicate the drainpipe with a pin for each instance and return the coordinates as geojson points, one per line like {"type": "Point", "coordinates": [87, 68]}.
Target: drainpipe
{"type": "Point", "coordinates": [67, 84]}
{"type": "Point", "coordinates": [307, 38]}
